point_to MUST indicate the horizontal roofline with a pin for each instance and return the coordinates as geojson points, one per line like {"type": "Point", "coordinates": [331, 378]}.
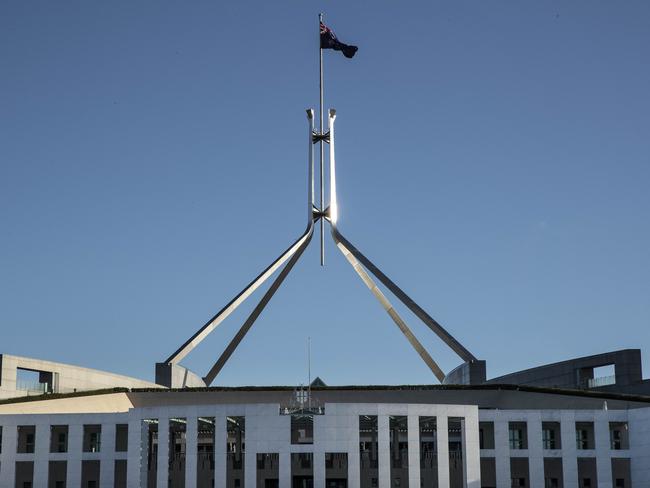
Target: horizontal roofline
{"type": "Point", "coordinates": [484, 387]}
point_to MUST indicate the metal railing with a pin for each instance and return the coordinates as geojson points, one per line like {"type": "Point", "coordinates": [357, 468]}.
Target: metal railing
{"type": "Point", "coordinates": [31, 386]}
{"type": "Point", "coordinates": [602, 381]}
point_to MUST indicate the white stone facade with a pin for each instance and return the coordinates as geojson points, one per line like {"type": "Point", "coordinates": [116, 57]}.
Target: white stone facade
{"type": "Point", "coordinates": [336, 431]}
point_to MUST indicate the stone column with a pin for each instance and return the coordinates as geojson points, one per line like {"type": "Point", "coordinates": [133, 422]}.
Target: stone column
{"type": "Point", "coordinates": [502, 451]}
{"type": "Point", "coordinates": [284, 471]}
{"type": "Point", "coordinates": [535, 449]}
{"type": "Point", "coordinates": [413, 435]}
{"type": "Point", "coordinates": [8, 454]}
{"type": "Point", "coordinates": [383, 448]}
{"type": "Point", "coordinates": [75, 448]}
{"type": "Point", "coordinates": [41, 453]}
{"type": "Point", "coordinates": [135, 461]}
{"type": "Point", "coordinates": [107, 456]}
{"type": "Point", "coordinates": [602, 441]}
{"type": "Point", "coordinates": [250, 459]}
{"type": "Point", "coordinates": [220, 439]}
{"type": "Point", "coordinates": [191, 449]}
{"type": "Point", "coordinates": [471, 450]}
{"type": "Point", "coordinates": [569, 458]}
{"type": "Point", "coordinates": [442, 447]}
{"type": "Point", "coordinates": [319, 468]}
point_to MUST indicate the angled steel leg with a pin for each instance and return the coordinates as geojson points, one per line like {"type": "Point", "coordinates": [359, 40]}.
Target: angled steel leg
{"type": "Point", "coordinates": [203, 332]}
{"type": "Point", "coordinates": [241, 333]}
{"type": "Point", "coordinates": [353, 251]}
{"type": "Point", "coordinates": [419, 348]}
{"type": "Point", "coordinates": [333, 214]}
{"type": "Point", "coordinates": [447, 338]}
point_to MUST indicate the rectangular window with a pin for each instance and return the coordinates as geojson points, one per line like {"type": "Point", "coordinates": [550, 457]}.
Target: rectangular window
{"type": "Point", "coordinates": [302, 429]}
{"type": "Point", "coordinates": [551, 435]}
{"type": "Point", "coordinates": [553, 472]}
{"type": "Point", "coordinates": [519, 472]}
{"type": "Point", "coordinates": [58, 438]}
{"type": "Point", "coordinates": [486, 435]}
{"type": "Point", "coordinates": [517, 435]}
{"type": "Point", "coordinates": [399, 450]}
{"type": "Point", "coordinates": [26, 439]}
{"type": "Point", "coordinates": [368, 450]}
{"type": "Point", "coordinates": [89, 474]}
{"type": "Point", "coordinates": [587, 475]}
{"type": "Point", "coordinates": [57, 474]}
{"type": "Point", "coordinates": [302, 469]}
{"type": "Point", "coordinates": [584, 435]}
{"type": "Point", "coordinates": [92, 439]}
{"type": "Point", "coordinates": [122, 437]}
{"type": "Point", "coordinates": [24, 474]}
{"type": "Point", "coordinates": [621, 476]}
{"type": "Point", "coordinates": [235, 450]}
{"type": "Point", "coordinates": [119, 474]}
{"type": "Point", "coordinates": [268, 471]}
{"type": "Point", "coordinates": [619, 435]}
{"type": "Point", "coordinates": [336, 469]}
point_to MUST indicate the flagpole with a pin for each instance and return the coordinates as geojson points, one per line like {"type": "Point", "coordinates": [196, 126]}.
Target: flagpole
{"type": "Point", "coordinates": [322, 148]}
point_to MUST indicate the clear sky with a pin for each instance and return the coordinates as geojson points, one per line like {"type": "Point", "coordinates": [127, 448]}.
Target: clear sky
{"type": "Point", "coordinates": [493, 159]}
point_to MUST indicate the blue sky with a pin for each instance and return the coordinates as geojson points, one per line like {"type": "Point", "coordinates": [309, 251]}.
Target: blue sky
{"type": "Point", "coordinates": [493, 160]}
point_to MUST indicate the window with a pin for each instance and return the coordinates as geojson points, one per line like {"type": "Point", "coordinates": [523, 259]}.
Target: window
{"type": "Point", "coordinates": [548, 438]}
{"type": "Point", "coordinates": [58, 438]}
{"type": "Point", "coordinates": [302, 429]}
{"type": "Point", "coordinates": [26, 439]}
{"type": "Point", "coordinates": [620, 483]}
{"type": "Point", "coordinates": [486, 435]}
{"type": "Point", "coordinates": [122, 437]}
{"type": "Point", "coordinates": [584, 435]}
{"type": "Point", "coordinates": [618, 435]}
{"type": "Point", "coordinates": [92, 438]}
{"type": "Point", "coordinates": [517, 435]}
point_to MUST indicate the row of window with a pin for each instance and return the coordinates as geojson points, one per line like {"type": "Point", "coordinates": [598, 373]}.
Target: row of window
{"type": "Point", "coordinates": [302, 433]}
{"type": "Point", "coordinates": [551, 437]}
{"type": "Point", "coordinates": [92, 438]}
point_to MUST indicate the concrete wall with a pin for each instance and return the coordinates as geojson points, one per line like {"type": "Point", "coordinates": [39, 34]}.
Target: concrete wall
{"type": "Point", "coordinates": [571, 373]}
{"type": "Point", "coordinates": [68, 378]}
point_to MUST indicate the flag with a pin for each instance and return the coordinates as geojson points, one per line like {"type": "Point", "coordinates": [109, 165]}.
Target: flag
{"type": "Point", "coordinates": [328, 40]}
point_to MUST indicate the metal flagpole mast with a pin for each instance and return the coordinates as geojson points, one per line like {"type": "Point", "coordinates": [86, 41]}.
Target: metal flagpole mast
{"type": "Point", "coordinates": [322, 147]}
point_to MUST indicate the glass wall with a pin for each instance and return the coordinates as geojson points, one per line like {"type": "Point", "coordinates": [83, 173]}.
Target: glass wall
{"type": "Point", "coordinates": [428, 452]}
{"type": "Point", "coordinates": [455, 440]}
{"type": "Point", "coordinates": [368, 445]}
{"type": "Point", "coordinates": [235, 451]}
{"type": "Point", "coordinates": [205, 453]}
{"type": "Point", "coordinates": [177, 451]}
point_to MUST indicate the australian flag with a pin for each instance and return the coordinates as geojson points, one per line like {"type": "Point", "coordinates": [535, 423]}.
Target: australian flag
{"type": "Point", "coordinates": [328, 40]}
